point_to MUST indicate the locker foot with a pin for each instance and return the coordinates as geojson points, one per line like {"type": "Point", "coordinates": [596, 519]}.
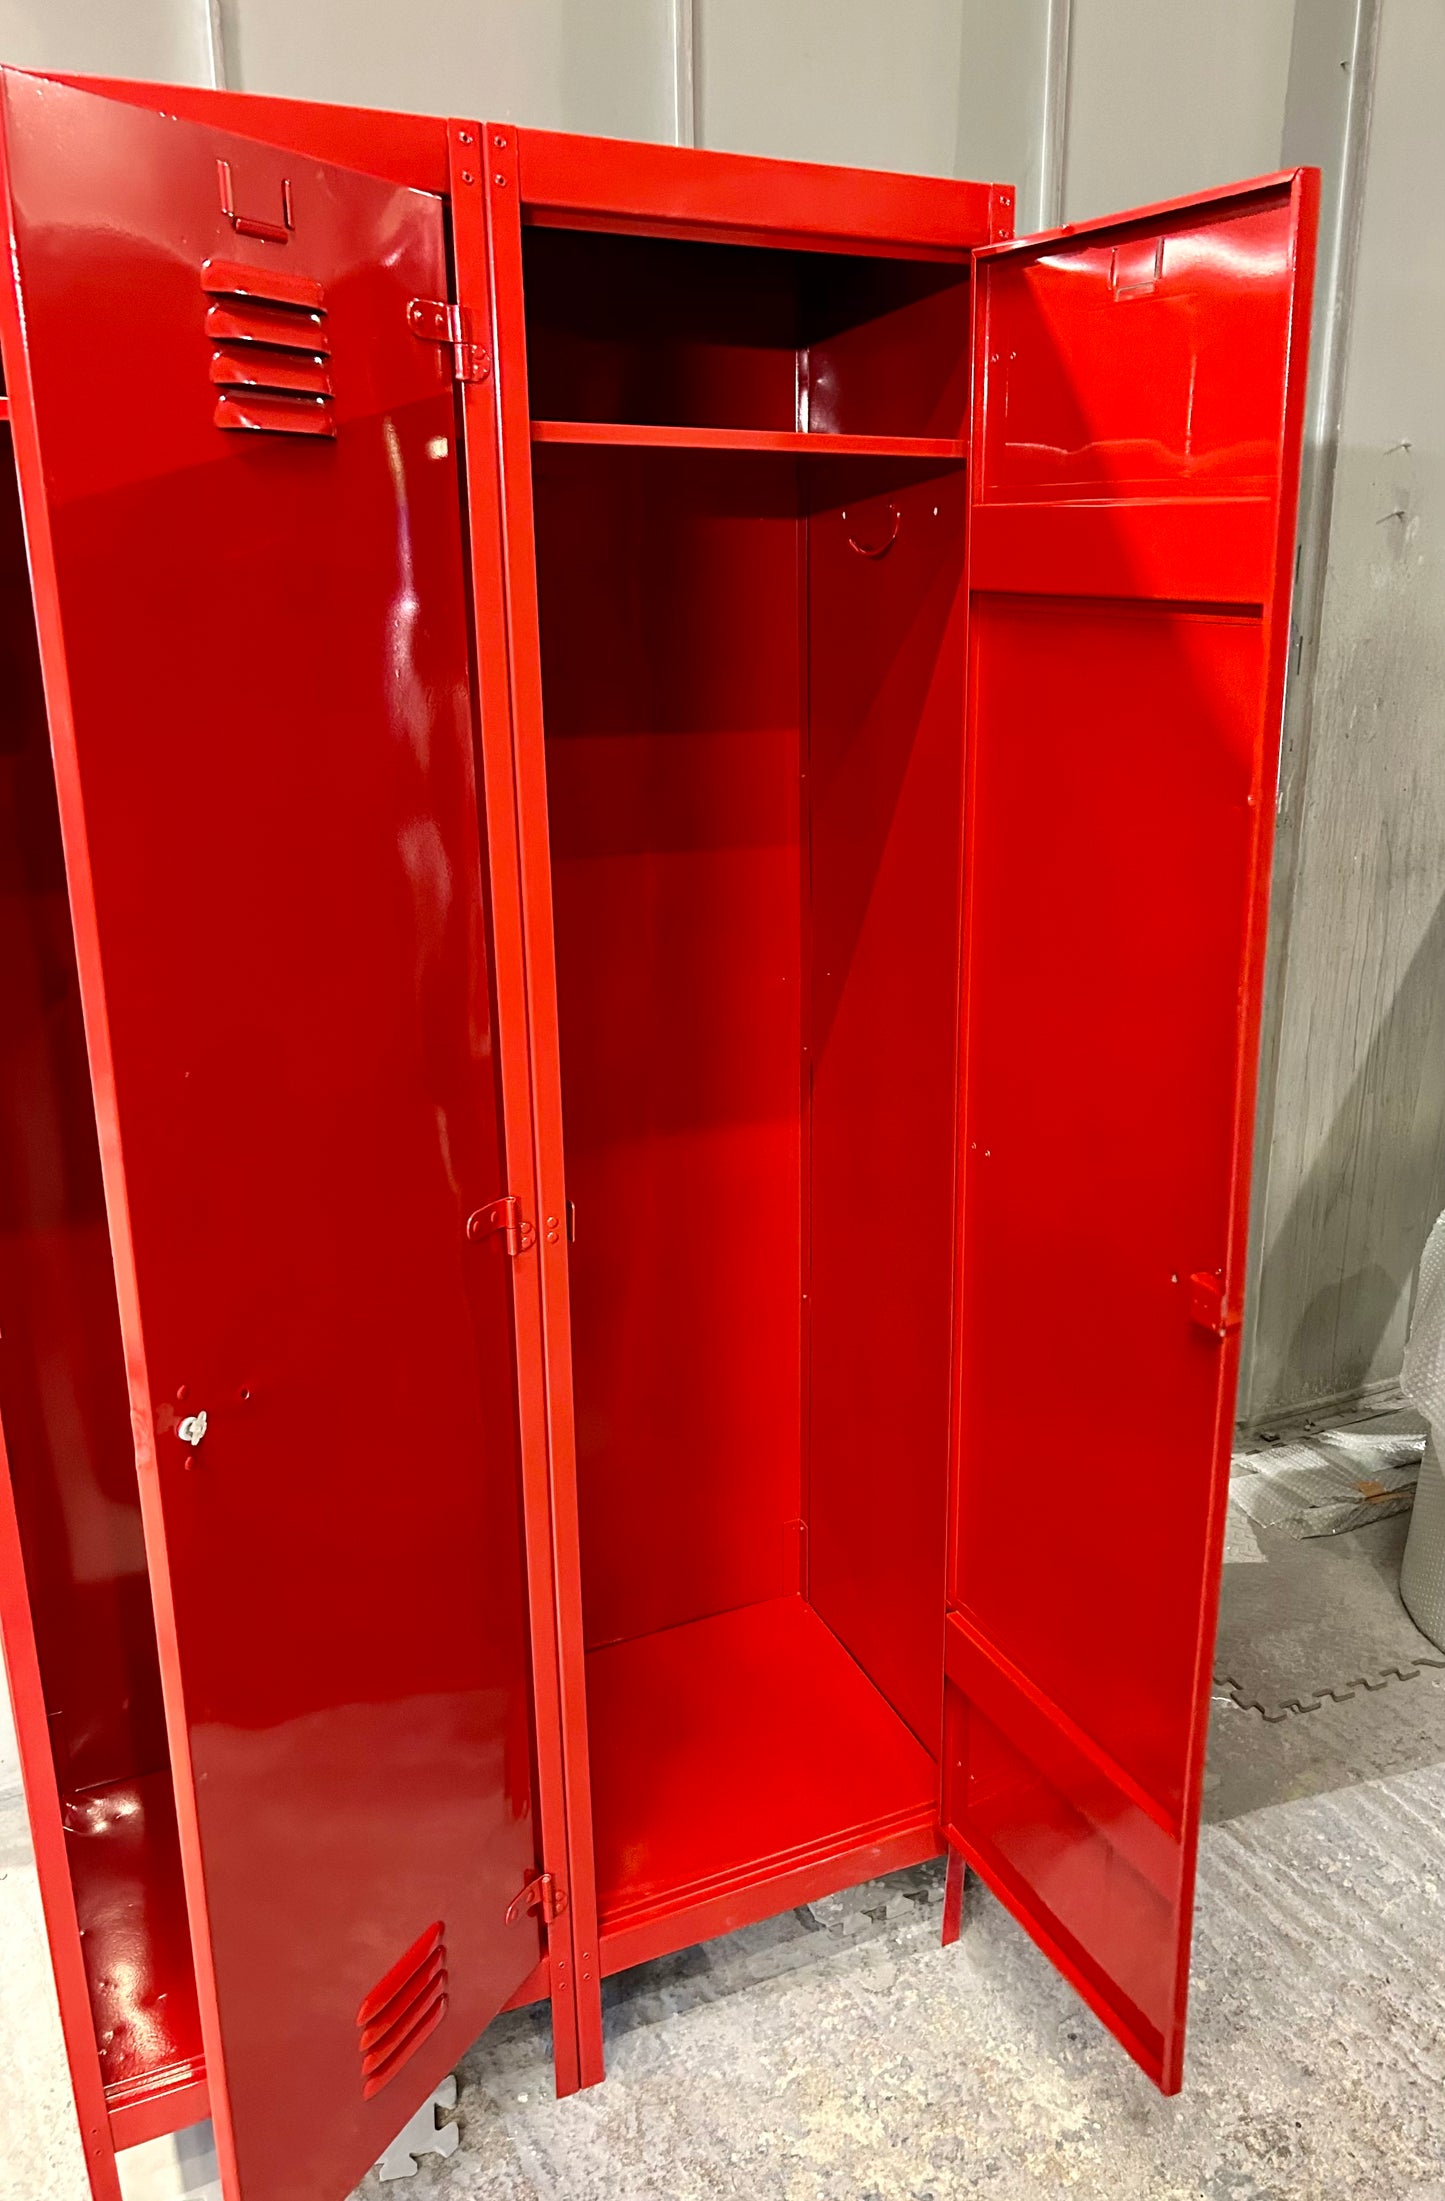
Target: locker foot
{"type": "Point", "coordinates": [424, 2135]}
{"type": "Point", "coordinates": [953, 1898]}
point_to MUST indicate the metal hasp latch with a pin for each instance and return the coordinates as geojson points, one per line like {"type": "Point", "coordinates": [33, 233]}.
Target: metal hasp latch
{"type": "Point", "coordinates": [504, 1215]}
{"type": "Point", "coordinates": [437, 321]}
{"type": "Point", "coordinates": [542, 1895]}
{"type": "Point", "coordinates": [1206, 1304]}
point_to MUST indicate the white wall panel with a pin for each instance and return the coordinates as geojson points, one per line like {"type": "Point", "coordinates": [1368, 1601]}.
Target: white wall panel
{"type": "Point", "coordinates": [869, 85]}
{"type": "Point", "coordinates": [165, 39]}
{"type": "Point", "coordinates": [1170, 96]}
{"type": "Point", "coordinates": [1357, 1144]}
{"type": "Point", "coordinates": [1160, 97]}
{"type": "Point", "coordinates": [556, 64]}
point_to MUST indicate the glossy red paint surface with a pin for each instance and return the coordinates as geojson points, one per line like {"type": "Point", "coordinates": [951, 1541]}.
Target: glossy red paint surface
{"type": "Point", "coordinates": [409, 149]}
{"type": "Point", "coordinates": [1125, 696]}
{"type": "Point", "coordinates": [598, 183]}
{"type": "Point", "coordinates": [74, 1612]}
{"type": "Point", "coordinates": [276, 877]}
{"type": "Point", "coordinates": [130, 1901]}
{"type": "Point", "coordinates": [789, 442]}
{"type": "Point", "coordinates": [805, 1762]}
{"type": "Point", "coordinates": [62, 1365]}
{"type": "Point", "coordinates": [581, 2063]}
{"type": "Point", "coordinates": [80, 1641]}
{"type": "Point", "coordinates": [654, 331]}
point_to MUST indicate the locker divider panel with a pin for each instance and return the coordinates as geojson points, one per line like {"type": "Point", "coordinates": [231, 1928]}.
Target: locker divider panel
{"type": "Point", "coordinates": [1137, 405]}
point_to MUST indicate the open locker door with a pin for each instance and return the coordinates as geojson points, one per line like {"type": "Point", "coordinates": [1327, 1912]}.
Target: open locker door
{"type": "Point", "coordinates": [1138, 393]}
{"type": "Point", "coordinates": [238, 467]}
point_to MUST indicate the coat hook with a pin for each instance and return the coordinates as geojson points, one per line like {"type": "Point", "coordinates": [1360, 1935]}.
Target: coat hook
{"type": "Point", "coordinates": [874, 543]}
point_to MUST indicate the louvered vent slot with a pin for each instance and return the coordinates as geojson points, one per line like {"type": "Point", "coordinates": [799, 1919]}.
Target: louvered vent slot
{"type": "Point", "coordinates": [401, 2010]}
{"type": "Point", "coordinates": [271, 356]}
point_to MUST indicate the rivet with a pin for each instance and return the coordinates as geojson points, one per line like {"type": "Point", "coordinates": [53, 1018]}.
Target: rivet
{"type": "Point", "coordinates": [500, 182]}
{"type": "Point", "coordinates": [553, 1238]}
{"type": "Point", "coordinates": [465, 136]}
{"type": "Point", "coordinates": [500, 144]}
{"type": "Point", "coordinates": [553, 1222]}
{"type": "Point", "coordinates": [467, 176]}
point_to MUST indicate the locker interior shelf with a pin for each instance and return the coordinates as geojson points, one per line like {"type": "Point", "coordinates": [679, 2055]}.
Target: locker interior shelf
{"type": "Point", "coordinates": [638, 433]}
{"type": "Point", "coordinates": [735, 1752]}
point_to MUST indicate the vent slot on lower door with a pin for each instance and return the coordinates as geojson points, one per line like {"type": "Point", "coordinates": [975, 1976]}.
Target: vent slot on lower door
{"type": "Point", "coordinates": [402, 2009]}
{"type": "Point", "coordinates": [271, 354]}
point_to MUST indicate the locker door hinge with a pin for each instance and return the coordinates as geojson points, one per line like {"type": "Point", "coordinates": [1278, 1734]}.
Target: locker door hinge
{"type": "Point", "coordinates": [438, 321]}
{"type": "Point", "coordinates": [542, 1894]}
{"type": "Point", "coordinates": [504, 1216]}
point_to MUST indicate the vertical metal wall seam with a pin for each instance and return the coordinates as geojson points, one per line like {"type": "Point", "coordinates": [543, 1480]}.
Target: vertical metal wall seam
{"type": "Point", "coordinates": [1054, 132]}
{"type": "Point", "coordinates": [214, 43]}
{"type": "Point", "coordinates": [685, 129]}
{"type": "Point", "coordinates": [1342, 206]}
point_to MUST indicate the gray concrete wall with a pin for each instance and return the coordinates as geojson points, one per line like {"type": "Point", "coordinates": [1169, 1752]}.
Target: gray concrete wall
{"type": "Point", "coordinates": [1171, 96]}
{"type": "Point", "coordinates": [556, 64]}
{"type": "Point", "coordinates": [1087, 106]}
{"type": "Point", "coordinates": [1356, 1148]}
{"type": "Point", "coordinates": [166, 39]}
{"type": "Point", "coordinates": [874, 87]}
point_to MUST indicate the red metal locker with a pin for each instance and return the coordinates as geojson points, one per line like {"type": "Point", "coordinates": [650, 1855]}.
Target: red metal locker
{"type": "Point", "coordinates": [433, 885]}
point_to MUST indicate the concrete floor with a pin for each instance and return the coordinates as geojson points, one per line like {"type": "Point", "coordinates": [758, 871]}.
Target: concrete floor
{"type": "Point", "coordinates": [844, 2056]}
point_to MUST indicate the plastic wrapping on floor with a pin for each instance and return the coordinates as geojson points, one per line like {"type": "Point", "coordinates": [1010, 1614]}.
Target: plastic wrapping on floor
{"type": "Point", "coordinates": [1329, 1480]}
{"type": "Point", "coordinates": [1422, 1379]}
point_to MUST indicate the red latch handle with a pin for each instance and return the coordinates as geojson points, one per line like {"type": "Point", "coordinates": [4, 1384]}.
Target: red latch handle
{"type": "Point", "coordinates": [251, 225]}
{"type": "Point", "coordinates": [1207, 1304]}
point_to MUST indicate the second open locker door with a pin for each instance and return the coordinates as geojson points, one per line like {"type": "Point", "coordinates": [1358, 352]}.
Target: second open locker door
{"type": "Point", "coordinates": [1138, 397]}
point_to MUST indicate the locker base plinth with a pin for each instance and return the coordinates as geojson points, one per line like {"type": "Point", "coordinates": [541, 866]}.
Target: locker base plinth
{"type": "Point", "coordinates": [743, 1764]}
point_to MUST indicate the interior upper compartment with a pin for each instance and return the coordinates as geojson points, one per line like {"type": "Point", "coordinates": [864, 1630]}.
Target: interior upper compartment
{"type": "Point", "coordinates": [633, 329]}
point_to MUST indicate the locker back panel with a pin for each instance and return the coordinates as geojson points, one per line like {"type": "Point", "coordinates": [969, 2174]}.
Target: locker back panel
{"type": "Point", "coordinates": [669, 588]}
